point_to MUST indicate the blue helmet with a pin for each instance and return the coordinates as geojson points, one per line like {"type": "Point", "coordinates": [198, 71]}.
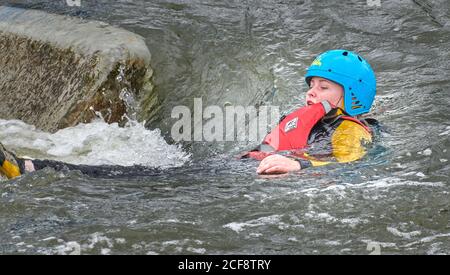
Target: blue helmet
{"type": "Point", "coordinates": [350, 71]}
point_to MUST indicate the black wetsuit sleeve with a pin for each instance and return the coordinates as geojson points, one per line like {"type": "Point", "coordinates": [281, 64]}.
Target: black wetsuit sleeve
{"type": "Point", "coordinates": [99, 171]}
{"type": "Point", "coordinates": [304, 163]}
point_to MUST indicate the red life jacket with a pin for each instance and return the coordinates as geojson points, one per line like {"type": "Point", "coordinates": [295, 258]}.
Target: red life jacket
{"type": "Point", "coordinates": [293, 131]}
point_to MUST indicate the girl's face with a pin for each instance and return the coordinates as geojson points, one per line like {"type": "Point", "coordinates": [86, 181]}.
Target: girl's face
{"type": "Point", "coordinates": [323, 89]}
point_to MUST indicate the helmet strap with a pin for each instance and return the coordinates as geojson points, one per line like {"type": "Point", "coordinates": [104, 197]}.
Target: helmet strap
{"type": "Point", "coordinates": [342, 107]}
{"type": "Point", "coordinates": [337, 104]}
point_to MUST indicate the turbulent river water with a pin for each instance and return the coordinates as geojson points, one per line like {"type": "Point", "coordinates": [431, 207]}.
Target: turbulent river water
{"type": "Point", "coordinates": [394, 201]}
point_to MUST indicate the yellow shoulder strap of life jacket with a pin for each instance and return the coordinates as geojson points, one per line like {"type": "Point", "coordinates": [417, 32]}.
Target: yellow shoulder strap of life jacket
{"type": "Point", "coordinates": [348, 141]}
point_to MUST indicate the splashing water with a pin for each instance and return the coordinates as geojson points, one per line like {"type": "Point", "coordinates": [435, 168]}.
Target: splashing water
{"type": "Point", "coordinates": [96, 143]}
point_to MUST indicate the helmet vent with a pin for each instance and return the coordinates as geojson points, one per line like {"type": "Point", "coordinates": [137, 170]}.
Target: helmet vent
{"type": "Point", "coordinates": [329, 70]}
{"type": "Point", "coordinates": [345, 53]}
{"type": "Point", "coordinates": [359, 58]}
{"type": "Point", "coordinates": [356, 104]}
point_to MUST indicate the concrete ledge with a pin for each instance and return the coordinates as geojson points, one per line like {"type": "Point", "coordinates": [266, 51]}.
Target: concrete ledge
{"type": "Point", "coordinates": [55, 70]}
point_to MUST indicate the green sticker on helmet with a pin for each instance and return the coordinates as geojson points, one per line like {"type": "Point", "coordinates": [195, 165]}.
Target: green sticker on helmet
{"type": "Point", "coordinates": [317, 62]}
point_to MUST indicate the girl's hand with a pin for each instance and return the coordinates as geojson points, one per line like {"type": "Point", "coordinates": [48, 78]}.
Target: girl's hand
{"type": "Point", "coordinates": [277, 164]}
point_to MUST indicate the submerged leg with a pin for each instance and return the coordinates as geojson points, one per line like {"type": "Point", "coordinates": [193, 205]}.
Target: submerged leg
{"type": "Point", "coordinates": [99, 171]}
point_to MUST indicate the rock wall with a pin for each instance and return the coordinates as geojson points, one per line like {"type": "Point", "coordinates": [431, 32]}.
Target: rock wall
{"type": "Point", "coordinates": [57, 71]}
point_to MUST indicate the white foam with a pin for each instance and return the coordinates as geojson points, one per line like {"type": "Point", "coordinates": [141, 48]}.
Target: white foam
{"type": "Point", "coordinates": [69, 248]}
{"type": "Point", "coordinates": [394, 182]}
{"type": "Point", "coordinates": [44, 199]}
{"type": "Point", "coordinates": [447, 132]}
{"type": "Point", "coordinates": [238, 227]}
{"type": "Point", "coordinates": [381, 244]}
{"type": "Point", "coordinates": [405, 235]}
{"type": "Point", "coordinates": [250, 198]}
{"type": "Point", "coordinates": [98, 238]}
{"type": "Point", "coordinates": [292, 239]}
{"type": "Point", "coordinates": [196, 250]}
{"type": "Point", "coordinates": [420, 175]}
{"type": "Point", "coordinates": [325, 217]}
{"type": "Point", "coordinates": [353, 222]}
{"type": "Point", "coordinates": [428, 239]}
{"type": "Point", "coordinates": [96, 143]}
{"type": "Point", "coordinates": [427, 152]}
{"type": "Point", "coordinates": [172, 242]}
{"type": "Point", "coordinates": [105, 251]}
{"type": "Point", "coordinates": [48, 239]}
{"type": "Point", "coordinates": [434, 249]}
{"type": "Point", "coordinates": [333, 243]}
{"type": "Point", "coordinates": [382, 183]}
{"type": "Point", "coordinates": [401, 166]}
{"type": "Point", "coordinates": [120, 240]}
